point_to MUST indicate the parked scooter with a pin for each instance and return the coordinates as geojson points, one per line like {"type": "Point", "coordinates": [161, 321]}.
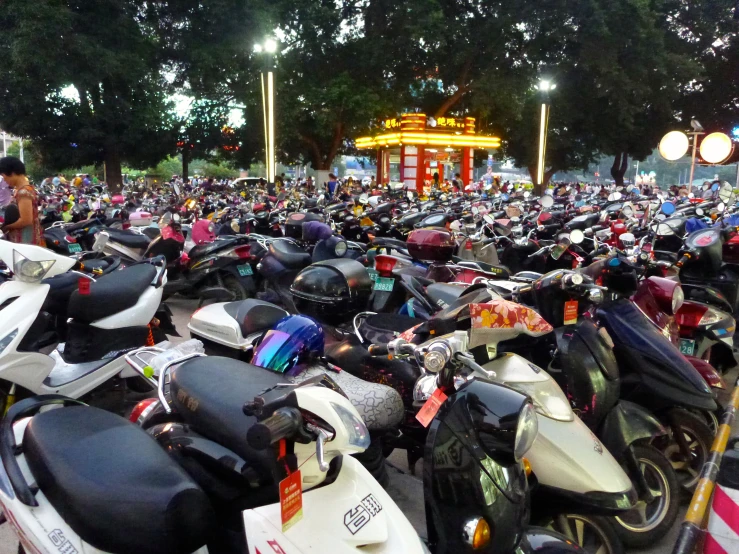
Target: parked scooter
{"type": "Point", "coordinates": [284, 444]}
{"type": "Point", "coordinates": [107, 316]}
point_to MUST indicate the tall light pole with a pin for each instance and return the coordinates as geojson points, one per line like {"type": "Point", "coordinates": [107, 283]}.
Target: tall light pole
{"type": "Point", "coordinates": [544, 87]}
{"type": "Point", "coordinates": [697, 131]}
{"type": "Point", "coordinates": [268, 104]}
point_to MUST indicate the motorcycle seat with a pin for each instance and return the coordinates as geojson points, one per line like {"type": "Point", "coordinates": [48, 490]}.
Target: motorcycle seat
{"type": "Point", "coordinates": [380, 406]}
{"type": "Point", "coordinates": [254, 315]}
{"type": "Point", "coordinates": [112, 293]}
{"type": "Point", "coordinates": [210, 392]}
{"type": "Point", "coordinates": [69, 228]}
{"type": "Point", "coordinates": [390, 242]}
{"type": "Point", "coordinates": [289, 254]}
{"type": "Point", "coordinates": [200, 250]}
{"type": "Point", "coordinates": [132, 240]}
{"type": "Point", "coordinates": [114, 485]}
{"type": "Point", "coordinates": [444, 292]}
{"type": "Point", "coordinates": [499, 271]}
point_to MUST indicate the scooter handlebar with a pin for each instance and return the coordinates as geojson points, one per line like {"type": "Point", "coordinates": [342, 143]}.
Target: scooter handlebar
{"type": "Point", "coordinates": [685, 257]}
{"type": "Point", "coordinates": [378, 350]}
{"type": "Point", "coordinates": [281, 424]}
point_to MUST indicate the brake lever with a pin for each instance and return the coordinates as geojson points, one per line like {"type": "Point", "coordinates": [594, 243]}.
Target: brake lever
{"type": "Point", "coordinates": [468, 360]}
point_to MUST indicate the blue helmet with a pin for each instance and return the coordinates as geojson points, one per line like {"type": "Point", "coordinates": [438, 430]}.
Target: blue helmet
{"type": "Point", "coordinates": [295, 339]}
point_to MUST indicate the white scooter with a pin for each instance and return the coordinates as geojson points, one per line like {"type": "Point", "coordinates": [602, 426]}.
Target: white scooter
{"type": "Point", "coordinates": [78, 479]}
{"type": "Point", "coordinates": [108, 316]}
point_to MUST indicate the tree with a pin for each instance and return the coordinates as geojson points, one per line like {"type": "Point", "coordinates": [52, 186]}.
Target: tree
{"type": "Point", "coordinates": [82, 93]}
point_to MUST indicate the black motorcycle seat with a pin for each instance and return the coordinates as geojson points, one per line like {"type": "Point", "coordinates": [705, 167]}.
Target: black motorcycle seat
{"type": "Point", "coordinates": [210, 392]}
{"type": "Point", "coordinates": [114, 485]}
{"type": "Point", "coordinates": [200, 250]}
{"type": "Point", "coordinates": [289, 254]}
{"type": "Point", "coordinates": [112, 293]}
{"type": "Point", "coordinates": [390, 242]}
{"type": "Point", "coordinates": [497, 271]}
{"type": "Point", "coordinates": [527, 276]}
{"type": "Point", "coordinates": [444, 292]}
{"type": "Point", "coordinates": [254, 315]}
{"type": "Point", "coordinates": [81, 225]}
{"type": "Point", "coordinates": [127, 238]}
{"type": "Point", "coordinates": [382, 328]}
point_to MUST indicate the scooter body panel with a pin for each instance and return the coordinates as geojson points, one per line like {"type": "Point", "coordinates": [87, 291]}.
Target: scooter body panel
{"type": "Point", "coordinates": [139, 314]}
{"type": "Point", "coordinates": [341, 517]}
{"type": "Point", "coordinates": [566, 454]}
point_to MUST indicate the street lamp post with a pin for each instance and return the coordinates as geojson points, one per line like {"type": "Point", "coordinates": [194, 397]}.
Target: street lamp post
{"type": "Point", "coordinates": [268, 104]}
{"type": "Point", "coordinates": [544, 87]}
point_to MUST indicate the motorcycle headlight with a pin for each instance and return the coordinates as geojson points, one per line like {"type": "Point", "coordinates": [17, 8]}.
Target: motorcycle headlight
{"type": "Point", "coordinates": [340, 249]}
{"type": "Point", "coordinates": [677, 299]}
{"type": "Point", "coordinates": [526, 430]}
{"type": "Point", "coordinates": [548, 398]}
{"type": "Point", "coordinates": [424, 388]}
{"type": "Point", "coordinates": [356, 429]}
{"type": "Point", "coordinates": [30, 271]}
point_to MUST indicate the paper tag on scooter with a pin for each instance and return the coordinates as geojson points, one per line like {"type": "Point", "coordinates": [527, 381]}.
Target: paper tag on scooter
{"type": "Point", "coordinates": [291, 500]}
{"type": "Point", "coordinates": [83, 285]}
{"type": "Point", "coordinates": [571, 312]}
{"type": "Point", "coordinates": [426, 414]}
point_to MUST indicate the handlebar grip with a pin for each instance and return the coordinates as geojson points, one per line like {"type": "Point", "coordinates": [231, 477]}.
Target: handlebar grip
{"type": "Point", "coordinates": [378, 350]}
{"type": "Point", "coordinates": [281, 424]}
{"type": "Point", "coordinates": [682, 260]}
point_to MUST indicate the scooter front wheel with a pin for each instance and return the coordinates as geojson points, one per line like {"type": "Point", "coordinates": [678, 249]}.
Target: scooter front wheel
{"type": "Point", "coordinates": [592, 533]}
{"type": "Point", "coordinates": [651, 520]}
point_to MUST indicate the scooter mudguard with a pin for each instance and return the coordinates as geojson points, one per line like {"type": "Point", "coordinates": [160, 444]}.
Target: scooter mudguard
{"type": "Point", "coordinates": [641, 349]}
{"type": "Point", "coordinates": [627, 423]}
{"type": "Point", "coordinates": [466, 476]}
{"type": "Point", "coordinates": [543, 541]}
{"type": "Point", "coordinates": [354, 510]}
{"type": "Point", "coordinates": [164, 315]}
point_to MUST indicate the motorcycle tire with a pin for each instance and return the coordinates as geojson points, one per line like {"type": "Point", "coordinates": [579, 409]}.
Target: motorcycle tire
{"type": "Point", "coordinates": [373, 461]}
{"type": "Point", "coordinates": [232, 284]}
{"type": "Point", "coordinates": [699, 437]}
{"type": "Point", "coordinates": [659, 473]}
{"type": "Point", "coordinates": [591, 533]}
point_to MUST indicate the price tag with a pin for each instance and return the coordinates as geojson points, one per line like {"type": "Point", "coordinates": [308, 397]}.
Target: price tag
{"type": "Point", "coordinates": [291, 500]}
{"type": "Point", "coordinates": [571, 312]}
{"type": "Point", "coordinates": [426, 414]}
{"type": "Point", "coordinates": [83, 285]}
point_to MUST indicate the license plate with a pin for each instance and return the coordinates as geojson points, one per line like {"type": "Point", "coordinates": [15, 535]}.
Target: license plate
{"type": "Point", "coordinates": [75, 247]}
{"type": "Point", "coordinates": [245, 270]}
{"type": "Point", "coordinates": [687, 346]}
{"type": "Point", "coordinates": [372, 274]}
{"type": "Point", "coordinates": [384, 283]}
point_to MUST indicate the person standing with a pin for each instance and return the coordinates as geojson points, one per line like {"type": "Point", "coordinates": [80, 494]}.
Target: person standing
{"type": "Point", "coordinates": [27, 229]}
{"type": "Point", "coordinates": [331, 184]}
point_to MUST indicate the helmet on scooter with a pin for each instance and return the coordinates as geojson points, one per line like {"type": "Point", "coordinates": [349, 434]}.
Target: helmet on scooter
{"type": "Point", "coordinates": [295, 339]}
{"type": "Point", "coordinates": [203, 232]}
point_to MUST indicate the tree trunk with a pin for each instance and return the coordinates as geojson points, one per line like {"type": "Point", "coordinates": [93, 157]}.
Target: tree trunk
{"type": "Point", "coordinates": [619, 168]}
{"type": "Point", "coordinates": [113, 171]}
{"type": "Point", "coordinates": [539, 188]}
{"type": "Point", "coordinates": [185, 163]}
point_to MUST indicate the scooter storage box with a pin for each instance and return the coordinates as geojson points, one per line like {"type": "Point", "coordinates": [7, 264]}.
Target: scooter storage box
{"type": "Point", "coordinates": [332, 291]}
{"type": "Point", "coordinates": [294, 224]}
{"type": "Point", "coordinates": [434, 244]}
{"type": "Point", "coordinates": [140, 219]}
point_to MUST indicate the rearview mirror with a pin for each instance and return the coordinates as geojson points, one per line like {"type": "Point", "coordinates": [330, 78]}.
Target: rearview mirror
{"type": "Point", "coordinates": [488, 219]}
{"type": "Point", "coordinates": [363, 199]}
{"type": "Point", "coordinates": [526, 194]}
{"type": "Point", "coordinates": [667, 208]}
{"type": "Point", "coordinates": [577, 236]}
{"type": "Point", "coordinates": [475, 210]}
{"type": "Point", "coordinates": [699, 212]}
{"type": "Point", "coordinates": [627, 211]}
{"type": "Point", "coordinates": [614, 196]}
{"type": "Point", "coordinates": [726, 193]}
{"type": "Point", "coordinates": [546, 201]}
{"type": "Point", "coordinates": [409, 195]}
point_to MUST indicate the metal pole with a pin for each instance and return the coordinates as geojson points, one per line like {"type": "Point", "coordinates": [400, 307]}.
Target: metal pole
{"type": "Point", "coordinates": [21, 152]}
{"type": "Point", "coordinates": [542, 145]}
{"type": "Point", "coordinates": [5, 146]}
{"type": "Point", "coordinates": [266, 130]}
{"type": "Point", "coordinates": [271, 119]}
{"type": "Point", "coordinates": [692, 160]}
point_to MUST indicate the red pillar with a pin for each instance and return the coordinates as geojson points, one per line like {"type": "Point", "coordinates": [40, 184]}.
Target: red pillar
{"type": "Point", "coordinates": [420, 169]}
{"type": "Point", "coordinates": [380, 166]}
{"type": "Point", "coordinates": [402, 164]}
{"type": "Point", "coordinates": [467, 165]}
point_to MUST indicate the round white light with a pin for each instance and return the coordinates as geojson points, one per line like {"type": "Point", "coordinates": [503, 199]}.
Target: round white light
{"type": "Point", "coordinates": [716, 147]}
{"type": "Point", "coordinates": [258, 48]}
{"type": "Point", "coordinates": [270, 46]}
{"type": "Point", "coordinates": [674, 145]}
{"type": "Point", "coordinates": [545, 85]}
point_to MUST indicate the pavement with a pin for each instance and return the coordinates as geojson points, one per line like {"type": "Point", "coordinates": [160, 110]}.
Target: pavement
{"type": "Point", "coordinates": [404, 488]}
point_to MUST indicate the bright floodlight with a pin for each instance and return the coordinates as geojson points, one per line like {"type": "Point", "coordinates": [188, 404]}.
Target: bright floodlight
{"type": "Point", "coordinates": [674, 145]}
{"type": "Point", "coordinates": [545, 85]}
{"type": "Point", "coordinates": [258, 48]}
{"type": "Point", "coordinates": [270, 46]}
{"type": "Point", "coordinates": [716, 147]}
